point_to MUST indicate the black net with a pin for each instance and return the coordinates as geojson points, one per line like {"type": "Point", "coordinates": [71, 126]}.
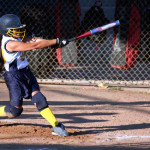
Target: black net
{"type": "Point", "coordinates": [119, 54]}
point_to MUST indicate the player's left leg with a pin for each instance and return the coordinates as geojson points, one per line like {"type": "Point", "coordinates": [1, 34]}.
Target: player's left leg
{"type": "Point", "coordinates": [41, 103]}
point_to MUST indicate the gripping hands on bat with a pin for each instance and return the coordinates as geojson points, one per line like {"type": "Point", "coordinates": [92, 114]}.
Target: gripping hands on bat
{"type": "Point", "coordinates": [61, 42]}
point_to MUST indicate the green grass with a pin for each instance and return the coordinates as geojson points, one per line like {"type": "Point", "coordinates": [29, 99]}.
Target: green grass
{"type": "Point", "coordinates": [114, 88]}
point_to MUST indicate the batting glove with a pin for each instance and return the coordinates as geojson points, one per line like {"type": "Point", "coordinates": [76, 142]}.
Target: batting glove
{"type": "Point", "coordinates": [61, 42]}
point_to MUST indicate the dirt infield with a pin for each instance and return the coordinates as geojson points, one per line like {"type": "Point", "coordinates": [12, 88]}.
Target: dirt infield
{"type": "Point", "coordinates": [98, 119]}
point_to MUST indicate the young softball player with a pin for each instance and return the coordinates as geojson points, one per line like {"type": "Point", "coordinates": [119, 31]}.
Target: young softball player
{"type": "Point", "coordinates": [19, 79]}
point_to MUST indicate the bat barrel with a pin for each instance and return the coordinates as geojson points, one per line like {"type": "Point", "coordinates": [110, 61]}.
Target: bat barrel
{"type": "Point", "coordinates": [96, 30]}
{"type": "Point", "coordinates": [105, 27]}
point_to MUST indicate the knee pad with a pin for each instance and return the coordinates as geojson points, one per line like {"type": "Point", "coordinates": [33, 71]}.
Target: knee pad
{"type": "Point", "coordinates": [40, 101]}
{"type": "Point", "coordinates": [13, 112]}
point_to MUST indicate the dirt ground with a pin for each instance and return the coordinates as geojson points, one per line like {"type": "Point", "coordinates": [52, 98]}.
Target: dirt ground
{"type": "Point", "coordinates": [97, 118]}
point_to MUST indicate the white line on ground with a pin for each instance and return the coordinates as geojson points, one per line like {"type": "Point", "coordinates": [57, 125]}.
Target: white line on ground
{"type": "Point", "coordinates": [124, 137]}
{"type": "Point", "coordinates": [7, 120]}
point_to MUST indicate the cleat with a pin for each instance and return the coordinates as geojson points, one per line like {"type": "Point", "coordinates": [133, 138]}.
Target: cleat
{"type": "Point", "coordinates": [60, 130]}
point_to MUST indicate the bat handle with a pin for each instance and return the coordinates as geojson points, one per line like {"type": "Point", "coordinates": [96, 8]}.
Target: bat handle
{"type": "Point", "coordinates": [72, 39]}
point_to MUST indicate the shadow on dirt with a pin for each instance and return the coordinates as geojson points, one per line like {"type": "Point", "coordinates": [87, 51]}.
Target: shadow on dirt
{"type": "Point", "coordinates": [138, 146]}
{"type": "Point", "coordinates": [89, 130]}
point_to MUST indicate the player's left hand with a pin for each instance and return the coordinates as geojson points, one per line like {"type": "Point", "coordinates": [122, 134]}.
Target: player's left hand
{"type": "Point", "coordinates": [61, 42]}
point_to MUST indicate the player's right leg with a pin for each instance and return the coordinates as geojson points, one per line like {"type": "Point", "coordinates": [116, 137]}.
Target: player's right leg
{"type": "Point", "coordinates": [10, 111]}
{"type": "Point", "coordinates": [14, 109]}
{"type": "Point", "coordinates": [2, 112]}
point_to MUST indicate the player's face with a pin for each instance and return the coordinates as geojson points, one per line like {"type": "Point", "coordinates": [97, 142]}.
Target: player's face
{"type": "Point", "coordinates": [20, 32]}
{"type": "Point", "coordinates": [17, 33]}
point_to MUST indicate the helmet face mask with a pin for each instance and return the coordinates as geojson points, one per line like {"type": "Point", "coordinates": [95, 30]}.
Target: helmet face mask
{"type": "Point", "coordinates": [10, 25]}
{"type": "Point", "coordinates": [17, 33]}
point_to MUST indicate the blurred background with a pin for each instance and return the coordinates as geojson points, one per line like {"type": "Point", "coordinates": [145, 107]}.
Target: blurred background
{"type": "Point", "coordinates": [120, 55]}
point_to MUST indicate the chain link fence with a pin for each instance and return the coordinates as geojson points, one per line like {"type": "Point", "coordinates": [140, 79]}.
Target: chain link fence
{"type": "Point", "coordinates": [120, 55]}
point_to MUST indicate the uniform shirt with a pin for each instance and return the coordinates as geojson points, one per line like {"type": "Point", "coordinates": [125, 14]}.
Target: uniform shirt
{"type": "Point", "coordinates": [12, 60]}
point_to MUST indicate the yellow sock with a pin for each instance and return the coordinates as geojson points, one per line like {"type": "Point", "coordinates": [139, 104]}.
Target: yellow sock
{"type": "Point", "coordinates": [2, 111]}
{"type": "Point", "coordinates": [49, 116]}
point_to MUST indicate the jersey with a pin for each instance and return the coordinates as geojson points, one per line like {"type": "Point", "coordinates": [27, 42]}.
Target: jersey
{"type": "Point", "coordinates": [12, 60]}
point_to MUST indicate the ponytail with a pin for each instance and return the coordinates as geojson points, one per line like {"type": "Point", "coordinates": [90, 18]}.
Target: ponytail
{"type": "Point", "coordinates": [1, 57]}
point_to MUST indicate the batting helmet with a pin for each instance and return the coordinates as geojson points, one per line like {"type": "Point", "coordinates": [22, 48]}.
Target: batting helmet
{"type": "Point", "coordinates": [10, 25]}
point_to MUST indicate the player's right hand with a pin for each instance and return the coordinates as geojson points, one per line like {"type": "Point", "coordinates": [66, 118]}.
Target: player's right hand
{"type": "Point", "coordinates": [61, 42]}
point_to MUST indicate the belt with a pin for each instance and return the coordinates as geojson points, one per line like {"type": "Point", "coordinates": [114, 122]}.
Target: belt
{"type": "Point", "coordinates": [16, 69]}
